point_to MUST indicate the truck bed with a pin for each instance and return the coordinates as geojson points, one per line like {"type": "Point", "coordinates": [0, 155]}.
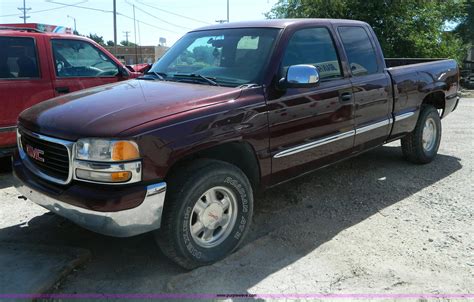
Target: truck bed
{"type": "Point", "coordinates": [395, 62]}
{"type": "Point", "coordinates": [413, 79]}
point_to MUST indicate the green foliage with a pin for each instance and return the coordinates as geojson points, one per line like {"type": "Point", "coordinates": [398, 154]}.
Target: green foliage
{"type": "Point", "coordinates": [465, 29]}
{"type": "Point", "coordinates": [110, 43]}
{"type": "Point", "coordinates": [127, 43]}
{"type": "Point", "coordinates": [405, 28]}
{"type": "Point", "coordinates": [98, 39]}
{"type": "Point", "coordinates": [203, 54]}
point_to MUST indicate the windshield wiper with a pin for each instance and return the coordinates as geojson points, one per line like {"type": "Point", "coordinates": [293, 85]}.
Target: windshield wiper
{"type": "Point", "coordinates": [158, 75]}
{"type": "Point", "coordinates": [209, 80]}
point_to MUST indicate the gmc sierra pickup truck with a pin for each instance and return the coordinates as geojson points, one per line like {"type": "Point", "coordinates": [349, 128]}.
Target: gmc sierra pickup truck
{"type": "Point", "coordinates": [230, 109]}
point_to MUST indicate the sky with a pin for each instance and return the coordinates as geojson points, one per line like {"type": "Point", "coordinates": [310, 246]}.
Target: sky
{"type": "Point", "coordinates": [169, 19]}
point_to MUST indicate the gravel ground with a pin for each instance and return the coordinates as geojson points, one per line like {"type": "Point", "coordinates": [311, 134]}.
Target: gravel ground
{"type": "Point", "coordinates": [372, 224]}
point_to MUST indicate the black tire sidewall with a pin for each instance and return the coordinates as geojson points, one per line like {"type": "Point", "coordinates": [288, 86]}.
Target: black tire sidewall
{"type": "Point", "coordinates": [429, 112]}
{"type": "Point", "coordinates": [232, 180]}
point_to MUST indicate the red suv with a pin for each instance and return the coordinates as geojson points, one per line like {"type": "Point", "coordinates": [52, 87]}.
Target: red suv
{"type": "Point", "coordinates": [36, 66]}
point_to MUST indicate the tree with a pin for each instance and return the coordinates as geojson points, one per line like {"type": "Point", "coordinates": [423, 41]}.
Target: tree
{"type": "Point", "coordinates": [110, 43]}
{"type": "Point", "coordinates": [203, 54]}
{"type": "Point", "coordinates": [98, 39]}
{"type": "Point", "coordinates": [405, 28]}
{"type": "Point", "coordinates": [465, 29]}
{"type": "Point", "coordinates": [127, 43]}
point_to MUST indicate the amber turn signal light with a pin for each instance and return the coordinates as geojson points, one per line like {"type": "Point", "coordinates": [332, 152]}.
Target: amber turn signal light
{"type": "Point", "coordinates": [120, 176]}
{"type": "Point", "coordinates": [125, 150]}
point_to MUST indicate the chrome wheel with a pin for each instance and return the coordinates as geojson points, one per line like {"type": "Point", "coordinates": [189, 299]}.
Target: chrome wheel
{"type": "Point", "coordinates": [429, 134]}
{"type": "Point", "coordinates": [213, 217]}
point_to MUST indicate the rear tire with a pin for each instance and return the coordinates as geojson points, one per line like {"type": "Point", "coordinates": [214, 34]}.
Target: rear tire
{"type": "Point", "coordinates": [421, 146]}
{"type": "Point", "coordinates": [207, 213]}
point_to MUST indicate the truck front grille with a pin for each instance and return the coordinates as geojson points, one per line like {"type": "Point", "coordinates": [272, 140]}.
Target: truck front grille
{"type": "Point", "coordinates": [47, 157]}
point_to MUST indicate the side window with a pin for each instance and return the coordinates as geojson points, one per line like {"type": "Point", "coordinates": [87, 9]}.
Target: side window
{"type": "Point", "coordinates": [74, 58]}
{"type": "Point", "coordinates": [18, 58]}
{"type": "Point", "coordinates": [359, 49]}
{"type": "Point", "coordinates": [313, 46]}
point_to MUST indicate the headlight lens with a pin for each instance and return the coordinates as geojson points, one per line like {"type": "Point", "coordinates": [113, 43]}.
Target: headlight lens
{"type": "Point", "coordinates": [94, 149]}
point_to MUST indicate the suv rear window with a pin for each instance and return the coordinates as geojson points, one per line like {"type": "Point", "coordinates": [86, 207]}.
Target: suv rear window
{"type": "Point", "coordinates": [18, 58]}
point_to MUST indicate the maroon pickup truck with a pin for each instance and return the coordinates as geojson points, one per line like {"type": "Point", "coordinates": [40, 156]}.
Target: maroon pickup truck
{"type": "Point", "coordinates": [230, 109]}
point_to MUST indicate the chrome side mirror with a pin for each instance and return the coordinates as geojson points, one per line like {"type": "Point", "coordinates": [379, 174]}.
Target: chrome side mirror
{"type": "Point", "coordinates": [301, 76]}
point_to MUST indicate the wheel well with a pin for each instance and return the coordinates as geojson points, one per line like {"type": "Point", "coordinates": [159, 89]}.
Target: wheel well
{"type": "Point", "coordinates": [239, 154]}
{"type": "Point", "coordinates": [436, 99]}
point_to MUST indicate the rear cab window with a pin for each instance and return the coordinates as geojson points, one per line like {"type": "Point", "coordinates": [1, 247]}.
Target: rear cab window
{"type": "Point", "coordinates": [359, 50]}
{"type": "Point", "coordinates": [18, 58]}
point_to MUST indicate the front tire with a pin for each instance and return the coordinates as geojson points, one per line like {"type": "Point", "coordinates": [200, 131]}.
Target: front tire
{"type": "Point", "coordinates": [207, 213]}
{"type": "Point", "coordinates": [421, 146]}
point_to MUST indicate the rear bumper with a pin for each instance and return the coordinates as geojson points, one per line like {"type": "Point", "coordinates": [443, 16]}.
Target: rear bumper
{"type": "Point", "coordinates": [142, 218]}
{"type": "Point", "coordinates": [451, 103]}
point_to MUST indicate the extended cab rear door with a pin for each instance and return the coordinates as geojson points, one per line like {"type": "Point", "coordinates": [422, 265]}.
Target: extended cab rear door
{"type": "Point", "coordinates": [79, 64]}
{"type": "Point", "coordinates": [371, 86]}
{"type": "Point", "coordinates": [24, 79]}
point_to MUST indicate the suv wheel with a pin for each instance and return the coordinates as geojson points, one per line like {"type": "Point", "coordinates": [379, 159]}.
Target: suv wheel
{"type": "Point", "coordinates": [421, 146]}
{"type": "Point", "coordinates": [207, 213]}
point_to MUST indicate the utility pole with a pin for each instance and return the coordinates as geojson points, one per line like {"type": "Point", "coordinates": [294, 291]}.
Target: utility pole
{"type": "Point", "coordinates": [115, 28]}
{"type": "Point", "coordinates": [126, 33]}
{"type": "Point", "coordinates": [75, 28]}
{"type": "Point", "coordinates": [227, 11]}
{"type": "Point", "coordinates": [24, 9]}
{"type": "Point", "coordinates": [139, 41]}
{"type": "Point", "coordinates": [135, 35]}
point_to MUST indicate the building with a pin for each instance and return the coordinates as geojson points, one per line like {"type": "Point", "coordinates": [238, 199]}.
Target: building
{"type": "Point", "coordinates": [138, 54]}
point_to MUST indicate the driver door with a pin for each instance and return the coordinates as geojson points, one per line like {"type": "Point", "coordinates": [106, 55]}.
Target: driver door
{"type": "Point", "coordinates": [78, 65]}
{"type": "Point", "coordinates": [311, 127]}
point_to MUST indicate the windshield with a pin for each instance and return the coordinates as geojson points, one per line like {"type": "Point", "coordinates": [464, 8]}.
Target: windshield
{"type": "Point", "coordinates": [229, 57]}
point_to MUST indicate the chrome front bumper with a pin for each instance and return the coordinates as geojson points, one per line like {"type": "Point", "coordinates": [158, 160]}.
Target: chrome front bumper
{"type": "Point", "coordinates": [141, 219]}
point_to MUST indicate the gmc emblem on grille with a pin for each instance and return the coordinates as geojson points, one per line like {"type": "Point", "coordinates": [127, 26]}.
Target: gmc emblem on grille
{"type": "Point", "coordinates": [35, 153]}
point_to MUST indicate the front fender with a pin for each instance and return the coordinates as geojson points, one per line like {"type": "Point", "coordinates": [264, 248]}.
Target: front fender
{"type": "Point", "coordinates": [242, 119]}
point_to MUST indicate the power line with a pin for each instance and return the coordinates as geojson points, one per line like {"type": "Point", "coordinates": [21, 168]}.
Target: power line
{"type": "Point", "coordinates": [45, 10]}
{"type": "Point", "coordinates": [80, 6]}
{"type": "Point", "coordinates": [63, 5]}
{"type": "Point", "coordinates": [153, 16]}
{"type": "Point", "coordinates": [24, 9]}
{"type": "Point", "coordinates": [175, 14]}
{"type": "Point", "coordinates": [109, 11]}
{"type": "Point", "coordinates": [151, 25]}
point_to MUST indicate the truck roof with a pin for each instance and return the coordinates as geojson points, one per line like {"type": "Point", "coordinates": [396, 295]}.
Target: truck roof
{"type": "Point", "coordinates": [280, 23]}
{"type": "Point", "coordinates": [29, 32]}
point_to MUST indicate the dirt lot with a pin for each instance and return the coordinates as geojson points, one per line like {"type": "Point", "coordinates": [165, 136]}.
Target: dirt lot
{"type": "Point", "coordinates": [372, 224]}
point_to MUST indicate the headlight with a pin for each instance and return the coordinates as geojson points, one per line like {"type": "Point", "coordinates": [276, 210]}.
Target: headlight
{"type": "Point", "coordinates": [105, 150]}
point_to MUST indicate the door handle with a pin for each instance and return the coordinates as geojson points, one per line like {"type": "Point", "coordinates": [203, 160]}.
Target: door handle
{"type": "Point", "coordinates": [346, 97]}
{"type": "Point", "coordinates": [62, 89]}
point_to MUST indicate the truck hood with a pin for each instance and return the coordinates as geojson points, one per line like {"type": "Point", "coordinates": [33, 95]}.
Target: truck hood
{"type": "Point", "coordinates": [106, 111]}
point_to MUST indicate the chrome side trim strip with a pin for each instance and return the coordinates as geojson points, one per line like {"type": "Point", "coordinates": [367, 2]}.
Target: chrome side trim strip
{"type": "Point", "coordinates": [320, 142]}
{"type": "Point", "coordinates": [373, 126]}
{"type": "Point", "coordinates": [343, 135]}
{"type": "Point", "coordinates": [7, 129]}
{"type": "Point", "coordinates": [404, 116]}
